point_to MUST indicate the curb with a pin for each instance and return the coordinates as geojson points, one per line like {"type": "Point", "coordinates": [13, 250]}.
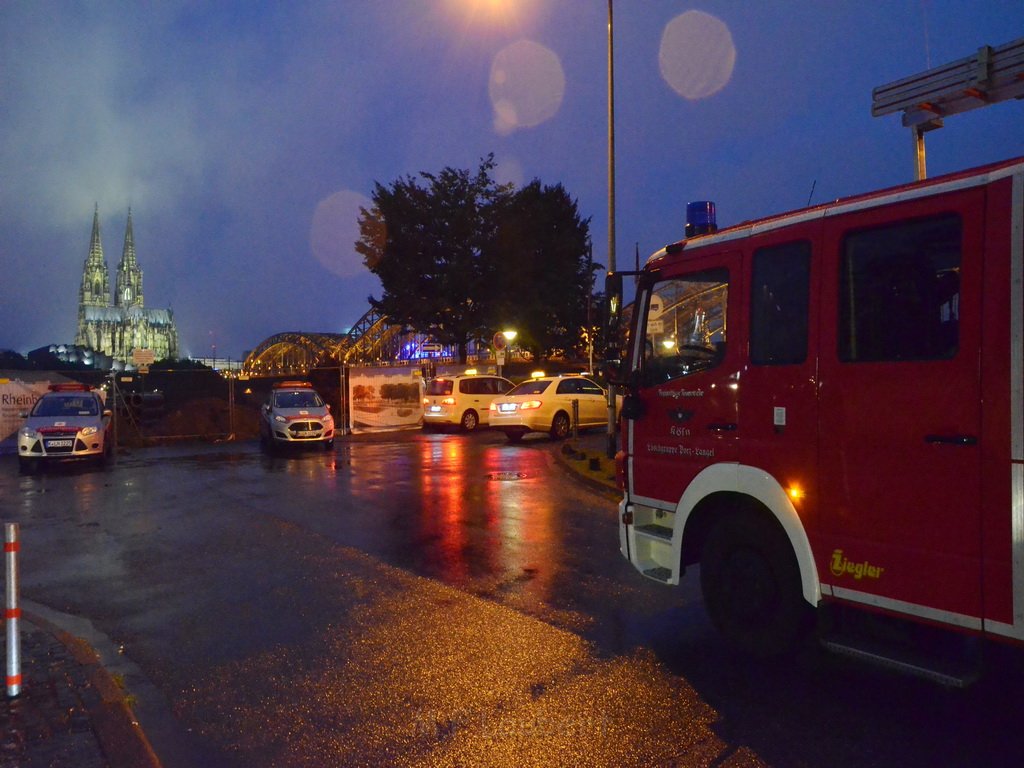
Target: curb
{"type": "Point", "coordinates": [117, 730]}
{"type": "Point", "coordinates": [581, 464]}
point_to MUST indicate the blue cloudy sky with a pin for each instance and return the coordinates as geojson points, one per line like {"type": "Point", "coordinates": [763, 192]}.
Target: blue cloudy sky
{"type": "Point", "coordinates": [244, 135]}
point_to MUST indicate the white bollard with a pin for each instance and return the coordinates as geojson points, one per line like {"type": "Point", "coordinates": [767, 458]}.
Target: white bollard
{"type": "Point", "coordinates": [12, 613]}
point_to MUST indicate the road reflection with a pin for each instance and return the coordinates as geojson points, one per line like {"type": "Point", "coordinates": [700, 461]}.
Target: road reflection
{"type": "Point", "coordinates": [485, 515]}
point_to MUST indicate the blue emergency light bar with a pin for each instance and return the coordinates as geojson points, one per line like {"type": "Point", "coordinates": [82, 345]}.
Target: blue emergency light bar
{"type": "Point", "coordinates": [700, 218]}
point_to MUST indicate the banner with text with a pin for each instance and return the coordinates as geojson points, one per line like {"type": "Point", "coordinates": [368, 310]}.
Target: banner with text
{"type": "Point", "coordinates": [19, 391]}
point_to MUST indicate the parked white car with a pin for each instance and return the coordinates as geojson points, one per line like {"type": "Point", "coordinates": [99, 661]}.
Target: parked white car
{"type": "Point", "coordinates": [544, 404]}
{"type": "Point", "coordinates": [461, 401]}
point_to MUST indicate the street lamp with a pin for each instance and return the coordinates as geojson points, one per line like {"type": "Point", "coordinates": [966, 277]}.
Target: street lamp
{"type": "Point", "coordinates": [611, 204]}
{"type": "Point", "coordinates": [611, 141]}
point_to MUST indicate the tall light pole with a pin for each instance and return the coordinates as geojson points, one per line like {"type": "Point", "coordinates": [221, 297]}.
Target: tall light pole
{"type": "Point", "coordinates": [611, 203]}
{"type": "Point", "coordinates": [611, 141]}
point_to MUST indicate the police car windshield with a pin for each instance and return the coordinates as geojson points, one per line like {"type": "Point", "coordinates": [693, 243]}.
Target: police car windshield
{"type": "Point", "coordinates": [63, 405]}
{"type": "Point", "coordinates": [300, 399]}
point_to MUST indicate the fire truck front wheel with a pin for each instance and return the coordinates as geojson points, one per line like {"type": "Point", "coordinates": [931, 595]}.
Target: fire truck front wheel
{"type": "Point", "coordinates": [751, 585]}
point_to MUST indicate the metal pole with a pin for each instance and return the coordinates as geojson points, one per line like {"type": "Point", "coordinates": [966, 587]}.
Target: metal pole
{"type": "Point", "coordinates": [611, 202]}
{"type": "Point", "coordinates": [12, 613]}
{"type": "Point", "coordinates": [347, 395]}
{"type": "Point", "coordinates": [920, 171]}
{"type": "Point", "coordinates": [611, 142]}
{"type": "Point", "coordinates": [115, 396]}
{"type": "Point", "coordinates": [231, 404]}
{"type": "Point", "coordinates": [575, 419]}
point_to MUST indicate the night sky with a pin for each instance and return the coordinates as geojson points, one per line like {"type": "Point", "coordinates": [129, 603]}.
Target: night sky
{"type": "Point", "coordinates": [245, 135]}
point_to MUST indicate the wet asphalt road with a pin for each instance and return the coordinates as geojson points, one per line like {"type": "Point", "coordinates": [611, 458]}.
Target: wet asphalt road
{"type": "Point", "coordinates": [413, 599]}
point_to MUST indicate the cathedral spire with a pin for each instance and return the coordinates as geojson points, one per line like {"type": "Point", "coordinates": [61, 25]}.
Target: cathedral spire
{"type": "Point", "coordinates": [129, 275]}
{"type": "Point", "coordinates": [95, 288]}
{"type": "Point", "coordinates": [128, 254]}
{"type": "Point", "coordinates": [95, 244]}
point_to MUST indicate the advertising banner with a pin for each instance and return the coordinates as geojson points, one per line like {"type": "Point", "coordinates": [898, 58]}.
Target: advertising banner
{"type": "Point", "coordinates": [19, 391]}
{"type": "Point", "coordinates": [385, 398]}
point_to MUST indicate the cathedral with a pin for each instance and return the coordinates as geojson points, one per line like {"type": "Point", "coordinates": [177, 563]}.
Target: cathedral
{"type": "Point", "coordinates": [117, 327]}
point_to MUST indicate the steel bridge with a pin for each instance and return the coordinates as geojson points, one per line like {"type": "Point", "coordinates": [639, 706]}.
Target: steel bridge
{"type": "Point", "coordinates": [373, 340]}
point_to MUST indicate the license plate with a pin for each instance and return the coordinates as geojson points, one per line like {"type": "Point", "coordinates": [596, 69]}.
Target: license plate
{"type": "Point", "coordinates": [307, 433]}
{"type": "Point", "coordinates": [59, 443]}
{"type": "Point", "coordinates": [506, 407]}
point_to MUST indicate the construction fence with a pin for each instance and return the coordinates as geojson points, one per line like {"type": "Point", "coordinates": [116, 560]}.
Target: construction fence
{"type": "Point", "coordinates": [165, 405]}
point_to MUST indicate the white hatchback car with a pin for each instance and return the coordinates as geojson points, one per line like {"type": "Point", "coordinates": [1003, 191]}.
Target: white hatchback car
{"type": "Point", "coordinates": [70, 421]}
{"type": "Point", "coordinates": [544, 404]}
{"type": "Point", "coordinates": [294, 414]}
{"type": "Point", "coordinates": [462, 401]}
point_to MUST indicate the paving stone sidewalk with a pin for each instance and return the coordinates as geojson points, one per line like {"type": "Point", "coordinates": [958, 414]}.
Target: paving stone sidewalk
{"type": "Point", "coordinates": [70, 711]}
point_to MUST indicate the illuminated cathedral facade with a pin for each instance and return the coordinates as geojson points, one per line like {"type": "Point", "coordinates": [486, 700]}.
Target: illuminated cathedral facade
{"type": "Point", "coordinates": [116, 325]}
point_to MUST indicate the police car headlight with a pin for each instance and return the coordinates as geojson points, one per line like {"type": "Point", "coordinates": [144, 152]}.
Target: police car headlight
{"type": "Point", "coordinates": [280, 418]}
{"type": "Point", "coordinates": [88, 431]}
{"type": "Point", "coordinates": [328, 419]}
{"type": "Point", "coordinates": [29, 433]}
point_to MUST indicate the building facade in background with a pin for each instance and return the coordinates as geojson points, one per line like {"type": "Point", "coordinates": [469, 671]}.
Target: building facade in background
{"type": "Point", "coordinates": [115, 324]}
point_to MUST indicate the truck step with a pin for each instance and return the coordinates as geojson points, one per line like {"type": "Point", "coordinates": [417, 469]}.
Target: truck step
{"type": "Point", "coordinates": [657, 531]}
{"type": "Point", "coordinates": [661, 574]}
{"type": "Point", "coordinates": [946, 669]}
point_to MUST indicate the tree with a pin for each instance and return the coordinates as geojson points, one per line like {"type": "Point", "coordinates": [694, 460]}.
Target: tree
{"type": "Point", "coordinates": [428, 241]}
{"type": "Point", "coordinates": [546, 275]}
{"type": "Point", "coordinates": [460, 257]}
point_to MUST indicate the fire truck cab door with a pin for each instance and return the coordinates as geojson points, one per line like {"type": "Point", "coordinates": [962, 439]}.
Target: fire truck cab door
{"type": "Point", "coordinates": [900, 407]}
{"type": "Point", "coordinates": [686, 373]}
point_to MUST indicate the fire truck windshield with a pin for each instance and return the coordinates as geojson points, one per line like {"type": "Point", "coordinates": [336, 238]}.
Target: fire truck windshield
{"type": "Point", "coordinates": [685, 328]}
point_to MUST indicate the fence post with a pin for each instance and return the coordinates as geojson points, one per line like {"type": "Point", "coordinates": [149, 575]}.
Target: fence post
{"type": "Point", "coordinates": [575, 419]}
{"type": "Point", "coordinates": [12, 613]}
{"type": "Point", "coordinates": [231, 406]}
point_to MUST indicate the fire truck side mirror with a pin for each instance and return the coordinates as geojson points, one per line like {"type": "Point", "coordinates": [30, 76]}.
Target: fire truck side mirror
{"type": "Point", "coordinates": [612, 302]}
{"type": "Point", "coordinates": [632, 407]}
{"type": "Point", "coordinates": [614, 372]}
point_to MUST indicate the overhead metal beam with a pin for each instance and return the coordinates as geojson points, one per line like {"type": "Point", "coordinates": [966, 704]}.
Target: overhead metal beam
{"type": "Point", "coordinates": [991, 75]}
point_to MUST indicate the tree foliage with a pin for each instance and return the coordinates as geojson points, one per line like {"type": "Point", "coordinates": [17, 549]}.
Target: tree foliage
{"type": "Point", "coordinates": [460, 257]}
{"type": "Point", "coordinates": [543, 247]}
{"type": "Point", "coordinates": [429, 244]}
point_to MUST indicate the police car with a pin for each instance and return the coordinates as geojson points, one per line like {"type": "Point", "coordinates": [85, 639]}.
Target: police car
{"type": "Point", "coordinates": [70, 421]}
{"type": "Point", "coordinates": [294, 413]}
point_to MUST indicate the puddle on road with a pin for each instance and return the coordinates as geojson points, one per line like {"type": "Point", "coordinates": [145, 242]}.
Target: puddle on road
{"type": "Point", "coordinates": [506, 476]}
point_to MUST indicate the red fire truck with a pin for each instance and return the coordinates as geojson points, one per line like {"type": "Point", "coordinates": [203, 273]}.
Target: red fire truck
{"type": "Point", "coordinates": [826, 407]}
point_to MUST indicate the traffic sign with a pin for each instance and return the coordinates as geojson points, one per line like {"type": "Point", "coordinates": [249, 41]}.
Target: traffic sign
{"type": "Point", "coordinates": [143, 356]}
{"type": "Point", "coordinates": [499, 341]}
